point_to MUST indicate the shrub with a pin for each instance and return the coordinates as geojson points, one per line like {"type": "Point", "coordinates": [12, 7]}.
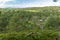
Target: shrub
{"type": "Point", "coordinates": [53, 22]}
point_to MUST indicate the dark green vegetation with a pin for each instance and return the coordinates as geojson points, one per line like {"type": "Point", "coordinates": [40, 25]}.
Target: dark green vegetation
{"type": "Point", "coordinates": [30, 23]}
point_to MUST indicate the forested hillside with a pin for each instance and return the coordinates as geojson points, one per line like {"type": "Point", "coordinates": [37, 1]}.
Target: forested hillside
{"type": "Point", "coordinates": [42, 23]}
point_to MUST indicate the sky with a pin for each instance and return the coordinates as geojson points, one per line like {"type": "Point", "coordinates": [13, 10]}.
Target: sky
{"type": "Point", "coordinates": [27, 3]}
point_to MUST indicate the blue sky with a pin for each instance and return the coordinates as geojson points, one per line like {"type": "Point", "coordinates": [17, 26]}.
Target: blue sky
{"type": "Point", "coordinates": [27, 3]}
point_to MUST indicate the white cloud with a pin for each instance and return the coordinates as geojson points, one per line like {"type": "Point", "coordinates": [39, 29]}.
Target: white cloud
{"type": "Point", "coordinates": [39, 4]}
{"type": "Point", "coordinates": [5, 0]}
{"type": "Point", "coordinates": [42, 4]}
{"type": "Point", "coordinates": [34, 4]}
{"type": "Point", "coordinates": [2, 3]}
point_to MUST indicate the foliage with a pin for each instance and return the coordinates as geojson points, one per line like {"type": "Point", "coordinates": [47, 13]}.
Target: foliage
{"type": "Point", "coordinates": [30, 23]}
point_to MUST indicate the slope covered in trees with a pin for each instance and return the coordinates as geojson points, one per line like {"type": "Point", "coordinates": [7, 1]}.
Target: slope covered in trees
{"type": "Point", "coordinates": [42, 23]}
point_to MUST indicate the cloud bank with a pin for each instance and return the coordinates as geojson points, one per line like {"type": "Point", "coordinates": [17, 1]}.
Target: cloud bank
{"type": "Point", "coordinates": [19, 4]}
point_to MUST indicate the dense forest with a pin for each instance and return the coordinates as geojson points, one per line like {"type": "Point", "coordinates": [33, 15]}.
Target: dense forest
{"type": "Point", "coordinates": [38, 23]}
